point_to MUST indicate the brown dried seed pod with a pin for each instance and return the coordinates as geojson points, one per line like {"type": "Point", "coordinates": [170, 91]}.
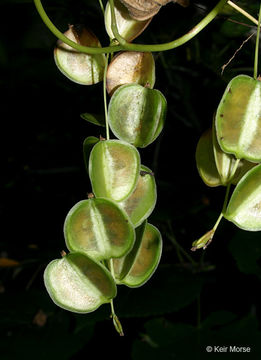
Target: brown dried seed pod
{"type": "Point", "coordinates": [130, 67]}
{"type": "Point", "coordinates": [145, 9]}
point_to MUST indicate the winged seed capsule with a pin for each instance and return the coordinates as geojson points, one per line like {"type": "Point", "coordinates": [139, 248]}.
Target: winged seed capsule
{"type": "Point", "coordinates": [137, 114]}
{"type": "Point", "coordinates": [144, 9]}
{"type": "Point", "coordinates": [81, 68]}
{"type": "Point", "coordinates": [114, 168]}
{"type": "Point", "coordinates": [128, 27]}
{"type": "Point", "coordinates": [99, 228]}
{"type": "Point", "coordinates": [238, 119]}
{"type": "Point", "coordinates": [139, 264]}
{"type": "Point", "coordinates": [78, 283]}
{"type": "Point", "coordinates": [131, 67]}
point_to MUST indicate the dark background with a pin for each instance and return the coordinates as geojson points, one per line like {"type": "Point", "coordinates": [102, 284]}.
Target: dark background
{"type": "Point", "coordinates": [185, 306]}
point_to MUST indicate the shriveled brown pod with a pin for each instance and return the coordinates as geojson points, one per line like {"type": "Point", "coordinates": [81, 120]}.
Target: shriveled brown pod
{"type": "Point", "coordinates": [145, 9]}
{"type": "Point", "coordinates": [130, 67]}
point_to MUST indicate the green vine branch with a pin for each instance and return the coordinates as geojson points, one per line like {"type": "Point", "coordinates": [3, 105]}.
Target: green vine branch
{"type": "Point", "coordinates": [128, 46]}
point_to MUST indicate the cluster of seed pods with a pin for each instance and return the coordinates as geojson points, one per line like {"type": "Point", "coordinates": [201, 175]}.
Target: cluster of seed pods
{"type": "Point", "coordinates": [230, 153]}
{"type": "Point", "coordinates": [108, 236]}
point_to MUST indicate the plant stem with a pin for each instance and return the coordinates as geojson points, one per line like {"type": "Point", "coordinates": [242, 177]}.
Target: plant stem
{"type": "Point", "coordinates": [102, 7]}
{"type": "Point", "coordinates": [132, 47]}
{"type": "Point", "coordinates": [223, 208]}
{"type": "Point", "coordinates": [174, 241]}
{"type": "Point", "coordinates": [257, 45]}
{"type": "Point", "coordinates": [198, 312]}
{"type": "Point", "coordinates": [114, 27]}
{"type": "Point", "coordinates": [243, 12]}
{"type": "Point", "coordinates": [105, 98]}
{"type": "Point", "coordinates": [115, 319]}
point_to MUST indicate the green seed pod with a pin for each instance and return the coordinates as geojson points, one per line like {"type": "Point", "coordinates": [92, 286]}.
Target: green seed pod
{"type": "Point", "coordinates": [98, 228]}
{"type": "Point", "coordinates": [140, 204]}
{"type": "Point", "coordinates": [79, 284]}
{"type": "Point", "coordinates": [131, 67]}
{"type": "Point", "coordinates": [214, 166]}
{"type": "Point", "coordinates": [88, 144]}
{"type": "Point", "coordinates": [225, 163]}
{"type": "Point", "coordinates": [205, 160]}
{"type": "Point", "coordinates": [244, 208]}
{"type": "Point", "coordinates": [238, 120]}
{"type": "Point", "coordinates": [114, 168]}
{"type": "Point", "coordinates": [137, 114]}
{"type": "Point", "coordinates": [128, 28]}
{"type": "Point", "coordinates": [138, 266]}
{"type": "Point", "coordinates": [81, 68]}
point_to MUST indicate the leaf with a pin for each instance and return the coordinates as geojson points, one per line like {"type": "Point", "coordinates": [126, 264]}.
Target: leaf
{"type": "Point", "coordinates": [168, 290]}
{"type": "Point", "coordinates": [175, 340]}
{"type": "Point", "coordinates": [244, 208]}
{"type": "Point", "coordinates": [246, 251]}
{"type": "Point", "coordinates": [95, 119]}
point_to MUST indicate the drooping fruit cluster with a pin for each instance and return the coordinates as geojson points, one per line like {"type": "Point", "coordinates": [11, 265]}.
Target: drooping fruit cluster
{"type": "Point", "coordinates": [231, 151]}
{"type": "Point", "coordinates": [108, 236]}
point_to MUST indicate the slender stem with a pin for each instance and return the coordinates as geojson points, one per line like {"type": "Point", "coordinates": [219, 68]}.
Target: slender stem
{"type": "Point", "coordinates": [133, 47]}
{"type": "Point", "coordinates": [243, 12]}
{"type": "Point", "coordinates": [102, 7]}
{"type": "Point", "coordinates": [223, 208]}
{"type": "Point", "coordinates": [226, 198]}
{"type": "Point", "coordinates": [198, 312]}
{"type": "Point", "coordinates": [217, 222]}
{"type": "Point", "coordinates": [105, 98]}
{"type": "Point", "coordinates": [257, 45]}
{"type": "Point", "coordinates": [181, 40]}
{"type": "Point", "coordinates": [174, 241]}
{"type": "Point", "coordinates": [114, 27]}
{"type": "Point", "coordinates": [115, 319]}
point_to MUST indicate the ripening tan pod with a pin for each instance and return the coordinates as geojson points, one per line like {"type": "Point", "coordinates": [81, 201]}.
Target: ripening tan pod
{"type": "Point", "coordinates": [131, 67]}
{"type": "Point", "coordinates": [136, 114]}
{"type": "Point", "coordinates": [99, 228]}
{"type": "Point", "coordinates": [238, 119]}
{"type": "Point", "coordinates": [140, 263]}
{"type": "Point", "coordinates": [81, 68]}
{"type": "Point", "coordinates": [128, 28]}
{"type": "Point", "coordinates": [144, 9]}
{"type": "Point", "coordinates": [79, 284]}
{"type": "Point", "coordinates": [244, 208]}
{"type": "Point", "coordinates": [114, 168]}
{"type": "Point", "coordinates": [205, 160]}
{"type": "Point", "coordinates": [140, 204]}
